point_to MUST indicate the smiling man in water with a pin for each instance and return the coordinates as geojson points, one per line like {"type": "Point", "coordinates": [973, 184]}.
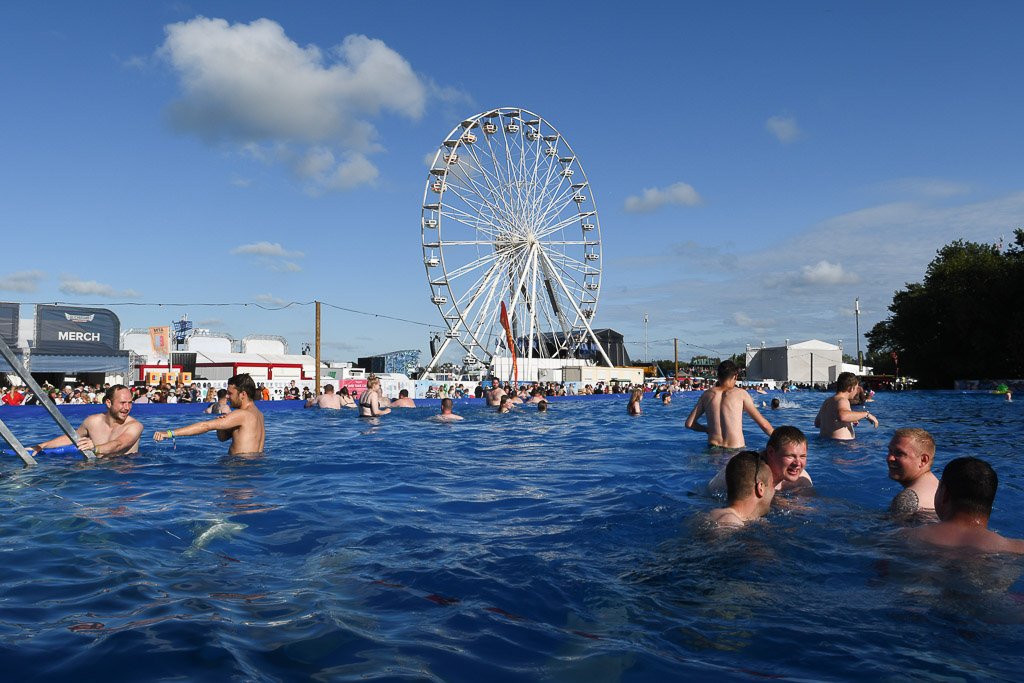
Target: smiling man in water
{"type": "Point", "coordinates": [243, 425]}
{"type": "Point", "coordinates": [786, 454]}
{"type": "Point", "coordinates": [910, 459]}
{"type": "Point", "coordinates": [114, 432]}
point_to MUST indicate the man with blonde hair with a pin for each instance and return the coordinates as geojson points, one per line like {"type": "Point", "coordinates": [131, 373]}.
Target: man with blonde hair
{"type": "Point", "coordinates": [910, 459]}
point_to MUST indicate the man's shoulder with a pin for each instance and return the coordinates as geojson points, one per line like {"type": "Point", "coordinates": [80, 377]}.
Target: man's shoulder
{"type": "Point", "coordinates": [905, 502]}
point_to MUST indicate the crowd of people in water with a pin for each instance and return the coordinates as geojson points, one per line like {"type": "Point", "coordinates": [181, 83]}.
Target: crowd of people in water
{"type": "Point", "coordinates": [957, 506]}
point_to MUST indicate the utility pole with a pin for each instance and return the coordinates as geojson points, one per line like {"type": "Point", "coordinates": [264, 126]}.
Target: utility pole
{"type": "Point", "coordinates": [645, 339]}
{"type": "Point", "coordinates": [677, 357]}
{"type": "Point", "coordinates": [317, 392]}
{"type": "Point", "coordinates": [860, 359]}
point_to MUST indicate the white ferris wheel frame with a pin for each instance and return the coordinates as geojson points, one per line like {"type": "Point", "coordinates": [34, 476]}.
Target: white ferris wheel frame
{"type": "Point", "coordinates": [499, 200]}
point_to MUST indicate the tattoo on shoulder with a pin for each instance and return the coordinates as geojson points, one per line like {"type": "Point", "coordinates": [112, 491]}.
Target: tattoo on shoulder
{"type": "Point", "coordinates": [906, 502]}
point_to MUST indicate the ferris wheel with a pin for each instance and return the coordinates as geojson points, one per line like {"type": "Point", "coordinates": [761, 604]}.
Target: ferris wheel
{"type": "Point", "coordinates": [509, 223]}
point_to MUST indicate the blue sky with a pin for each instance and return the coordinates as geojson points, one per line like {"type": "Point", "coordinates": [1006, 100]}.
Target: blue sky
{"type": "Point", "coordinates": [756, 166]}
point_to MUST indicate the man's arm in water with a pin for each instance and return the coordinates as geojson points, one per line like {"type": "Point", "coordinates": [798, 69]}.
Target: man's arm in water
{"type": "Point", "coordinates": [698, 410]}
{"type": "Point", "coordinates": [847, 415]}
{"type": "Point", "coordinates": [755, 414]}
{"type": "Point", "coordinates": [122, 444]}
{"type": "Point", "coordinates": [223, 425]}
{"type": "Point", "coordinates": [63, 440]}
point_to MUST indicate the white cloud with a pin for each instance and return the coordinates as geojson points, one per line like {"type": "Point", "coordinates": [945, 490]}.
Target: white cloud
{"type": "Point", "coordinates": [252, 85]}
{"type": "Point", "coordinates": [825, 274]}
{"type": "Point", "coordinates": [269, 300]}
{"type": "Point", "coordinates": [93, 288]}
{"type": "Point", "coordinates": [784, 128]}
{"type": "Point", "coordinates": [266, 249]}
{"type": "Point", "coordinates": [924, 188]}
{"type": "Point", "coordinates": [744, 320]}
{"type": "Point", "coordinates": [22, 281]}
{"type": "Point", "coordinates": [287, 267]}
{"type": "Point", "coordinates": [654, 198]}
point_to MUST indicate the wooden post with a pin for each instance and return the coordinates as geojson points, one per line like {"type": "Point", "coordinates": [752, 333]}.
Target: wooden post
{"type": "Point", "coordinates": [677, 358]}
{"type": "Point", "coordinates": [317, 349]}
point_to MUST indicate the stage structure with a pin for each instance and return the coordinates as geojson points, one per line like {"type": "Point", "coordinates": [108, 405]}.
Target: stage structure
{"type": "Point", "coordinates": [509, 218]}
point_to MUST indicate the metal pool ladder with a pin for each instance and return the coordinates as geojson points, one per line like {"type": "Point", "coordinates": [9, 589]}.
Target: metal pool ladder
{"type": "Point", "coordinates": [44, 400]}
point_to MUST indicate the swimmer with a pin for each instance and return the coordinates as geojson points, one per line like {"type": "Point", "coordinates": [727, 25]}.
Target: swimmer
{"type": "Point", "coordinates": [963, 502]}
{"type": "Point", "coordinates": [370, 402]}
{"type": "Point", "coordinates": [910, 459]}
{"type": "Point", "coordinates": [495, 393]}
{"type": "Point", "coordinates": [776, 403]}
{"type": "Point", "coordinates": [633, 407]}
{"type": "Point", "coordinates": [446, 412]}
{"type": "Point", "coordinates": [666, 398]}
{"type": "Point", "coordinates": [542, 406]}
{"type": "Point", "coordinates": [221, 407]}
{"type": "Point", "coordinates": [1009, 397]}
{"type": "Point", "coordinates": [345, 398]}
{"type": "Point", "coordinates": [835, 420]}
{"type": "Point", "coordinates": [748, 480]}
{"type": "Point", "coordinates": [114, 432]}
{"type": "Point", "coordinates": [404, 401]}
{"type": "Point", "coordinates": [537, 397]}
{"type": "Point", "coordinates": [786, 454]}
{"type": "Point", "coordinates": [243, 425]}
{"type": "Point", "coordinates": [725, 404]}
{"type": "Point", "coordinates": [328, 399]}
{"type": "Point", "coordinates": [504, 404]}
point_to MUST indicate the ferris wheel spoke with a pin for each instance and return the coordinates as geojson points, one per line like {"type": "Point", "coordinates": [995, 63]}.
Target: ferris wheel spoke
{"type": "Point", "coordinates": [487, 197]}
{"type": "Point", "coordinates": [470, 267]}
{"type": "Point", "coordinates": [479, 218]}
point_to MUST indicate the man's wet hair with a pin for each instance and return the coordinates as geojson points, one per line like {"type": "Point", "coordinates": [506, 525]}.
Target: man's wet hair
{"type": "Point", "coordinates": [244, 383]}
{"type": "Point", "coordinates": [446, 403]}
{"type": "Point", "coordinates": [776, 403]}
{"type": "Point", "coordinates": [221, 393]}
{"type": "Point", "coordinates": [971, 484]}
{"type": "Point", "coordinates": [404, 393]}
{"type": "Point", "coordinates": [109, 395]}
{"type": "Point", "coordinates": [542, 406]}
{"type": "Point", "coordinates": [739, 474]}
{"type": "Point", "coordinates": [329, 388]}
{"type": "Point", "coordinates": [727, 369]}
{"type": "Point", "coordinates": [845, 382]}
{"type": "Point", "coordinates": [921, 438]}
{"type": "Point", "coordinates": [785, 435]}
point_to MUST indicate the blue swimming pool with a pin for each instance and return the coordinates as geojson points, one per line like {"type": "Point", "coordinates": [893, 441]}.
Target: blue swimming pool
{"type": "Point", "coordinates": [566, 546]}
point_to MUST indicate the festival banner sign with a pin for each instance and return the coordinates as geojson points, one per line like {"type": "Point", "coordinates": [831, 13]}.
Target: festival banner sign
{"type": "Point", "coordinates": [76, 331]}
{"type": "Point", "coordinates": [159, 337]}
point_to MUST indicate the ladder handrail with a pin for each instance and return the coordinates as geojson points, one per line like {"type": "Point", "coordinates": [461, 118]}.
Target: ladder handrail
{"type": "Point", "coordinates": [9, 437]}
{"type": "Point", "coordinates": [42, 397]}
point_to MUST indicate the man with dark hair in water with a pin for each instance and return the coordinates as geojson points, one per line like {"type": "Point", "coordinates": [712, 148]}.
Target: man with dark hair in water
{"type": "Point", "coordinates": [114, 432]}
{"type": "Point", "coordinates": [243, 425]}
{"type": "Point", "coordinates": [748, 480]}
{"type": "Point", "coordinates": [725, 404]}
{"type": "Point", "coordinates": [835, 420]}
{"type": "Point", "coordinates": [910, 459]}
{"type": "Point", "coordinates": [963, 502]}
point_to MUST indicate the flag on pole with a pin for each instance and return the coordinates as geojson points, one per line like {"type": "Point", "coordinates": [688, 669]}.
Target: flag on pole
{"type": "Point", "coordinates": [159, 338]}
{"type": "Point", "coordinates": [511, 343]}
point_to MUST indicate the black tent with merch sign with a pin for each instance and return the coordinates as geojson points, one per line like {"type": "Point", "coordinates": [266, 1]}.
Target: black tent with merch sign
{"type": "Point", "coordinates": [74, 339]}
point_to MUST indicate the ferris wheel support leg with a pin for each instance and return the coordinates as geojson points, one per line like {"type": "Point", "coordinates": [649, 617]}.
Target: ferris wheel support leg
{"type": "Point", "coordinates": [437, 355]}
{"type": "Point", "coordinates": [569, 296]}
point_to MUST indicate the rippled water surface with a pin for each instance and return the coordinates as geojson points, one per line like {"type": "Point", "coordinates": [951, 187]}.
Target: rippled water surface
{"type": "Point", "coordinates": [567, 546]}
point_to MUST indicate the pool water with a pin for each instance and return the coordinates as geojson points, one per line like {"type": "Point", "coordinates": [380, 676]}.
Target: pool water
{"type": "Point", "coordinates": [567, 546]}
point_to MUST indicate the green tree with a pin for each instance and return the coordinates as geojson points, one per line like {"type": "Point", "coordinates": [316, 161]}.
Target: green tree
{"type": "Point", "coordinates": [962, 322]}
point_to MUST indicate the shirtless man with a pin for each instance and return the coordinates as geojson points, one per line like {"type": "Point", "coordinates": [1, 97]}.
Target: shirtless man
{"type": "Point", "coordinates": [370, 402]}
{"type": "Point", "coordinates": [220, 407]}
{"type": "Point", "coordinates": [748, 480]}
{"type": "Point", "coordinates": [404, 401]}
{"type": "Point", "coordinates": [446, 412]}
{"type": "Point", "coordinates": [910, 459]}
{"type": "Point", "coordinates": [537, 397]}
{"type": "Point", "coordinates": [786, 454]}
{"type": "Point", "coordinates": [243, 425]}
{"type": "Point", "coordinates": [963, 502]}
{"type": "Point", "coordinates": [835, 420]}
{"type": "Point", "coordinates": [328, 399]}
{"type": "Point", "coordinates": [114, 432]}
{"type": "Point", "coordinates": [495, 393]}
{"type": "Point", "coordinates": [725, 404]}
